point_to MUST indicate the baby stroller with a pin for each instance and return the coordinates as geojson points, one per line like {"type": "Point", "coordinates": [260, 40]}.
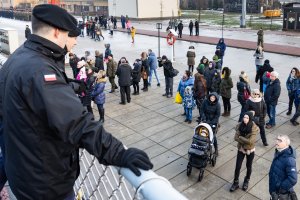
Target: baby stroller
{"type": "Point", "coordinates": [200, 152]}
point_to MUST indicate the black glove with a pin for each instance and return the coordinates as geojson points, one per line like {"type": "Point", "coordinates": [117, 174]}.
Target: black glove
{"type": "Point", "coordinates": [274, 196]}
{"type": "Point", "coordinates": [133, 159]}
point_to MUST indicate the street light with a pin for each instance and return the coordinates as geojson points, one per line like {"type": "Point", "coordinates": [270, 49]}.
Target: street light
{"type": "Point", "coordinates": [158, 27]}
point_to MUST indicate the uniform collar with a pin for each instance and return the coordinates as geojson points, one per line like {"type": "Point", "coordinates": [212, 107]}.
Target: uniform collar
{"type": "Point", "coordinates": [46, 47]}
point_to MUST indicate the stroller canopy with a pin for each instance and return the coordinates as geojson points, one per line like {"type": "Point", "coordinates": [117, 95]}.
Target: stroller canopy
{"type": "Point", "coordinates": [208, 127]}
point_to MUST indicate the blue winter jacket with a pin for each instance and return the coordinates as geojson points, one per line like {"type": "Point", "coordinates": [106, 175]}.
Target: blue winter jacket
{"type": "Point", "coordinates": [183, 84]}
{"type": "Point", "coordinates": [292, 84]}
{"type": "Point", "coordinates": [99, 93]}
{"type": "Point", "coordinates": [272, 92]}
{"type": "Point", "coordinates": [152, 61]}
{"type": "Point", "coordinates": [283, 172]}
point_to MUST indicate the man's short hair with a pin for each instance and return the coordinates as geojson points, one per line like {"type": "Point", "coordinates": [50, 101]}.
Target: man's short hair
{"type": "Point", "coordinates": [39, 27]}
{"type": "Point", "coordinates": [285, 138]}
{"type": "Point", "coordinates": [274, 73]}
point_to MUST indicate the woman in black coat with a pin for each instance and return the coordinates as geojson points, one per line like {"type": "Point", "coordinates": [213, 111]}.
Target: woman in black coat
{"type": "Point", "coordinates": [243, 87]}
{"type": "Point", "coordinates": [136, 76]}
{"type": "Point", "coordinates": [145, 70]}
{"type": "Point", "coordinates": [99, 60]}
{"type": "Point", "coordinates": [257, 104]}
{"type": "Point", "coordinates": [259, 76]}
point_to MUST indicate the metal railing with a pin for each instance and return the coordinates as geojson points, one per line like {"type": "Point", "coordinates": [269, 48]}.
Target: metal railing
{"type": "Point", "coordinates": [97, 181]}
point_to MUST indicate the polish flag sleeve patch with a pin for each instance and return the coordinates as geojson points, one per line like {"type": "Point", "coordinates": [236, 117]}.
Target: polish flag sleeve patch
{"type": "Point", "coordinates": [50, 77]}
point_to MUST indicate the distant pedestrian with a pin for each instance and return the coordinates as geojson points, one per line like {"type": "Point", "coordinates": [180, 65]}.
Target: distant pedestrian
{"type": "Point", "coordinates": [168, 68]}
{"type": "Point", "coordinates": [132, 32]}
{"type": "Point", "coordinates": [153, 67]}
{"type": "Point", "coordinates": [107, 52]}
{"type": "Point", "coordinates": [292, 85]}
{"type": "Point", "coordinates": [225, 90]}
{"type": "Point", "coordinates": [222, 47]}
{"type": "Point", "coordinates": [175, 24]}
{"type": "Point", "coordinates": [111, 72]}
{"type": "Point", "coordinates": [271, 97]}
{"type": "Point", "coordinates": [124, 74]}
{"type": "Point", "coordinates": [115, 22]}
{"type": "Point", "coordinates": [123, 21]}
{"type": "Point", "coordinates": [99, 60]}
{"type": "Point", "coordinates": [260, 37]}
{"type": "Point", "coordinates": [191, 26]}
{"type": "Point", "coordinates": [283, 171]}
{"type": "Point", "coordinates": [244, 92]}
{"type": "Point", "coordinates": [98, 93]}
{"type": "Point", "coordinates": [136, 76]}
{"type": "Point", "coordinates": [111, 28]}
{"type": "Point", "coordinates": [297, 105]}
{"type": "Point", "coordinates": [197, 27]}
{"type": "Point", "coordinates": [209, 74]}
{"type": "Point", "coordinates": [245, 135]}
{"type": "Point", "coordinates": [259, 58]}
{"type": "Point", "coordinates": [27, 31]}
{"type": "Point", "coordinates": [180, 28]}
{"type": "Point", "coordinates": [186, 80]}
{"type": "Point", "coordinates": [73, 64]}
{"type": "Point", "coordinates": [145, 70]}
{"type": "Point", "coordinates": [191, 55]}
{"type": "Point", "coordinates": [261, 72]}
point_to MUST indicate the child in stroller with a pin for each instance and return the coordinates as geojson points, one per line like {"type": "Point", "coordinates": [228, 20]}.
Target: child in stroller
{"type": "Point", "coordinates": [200, 151]}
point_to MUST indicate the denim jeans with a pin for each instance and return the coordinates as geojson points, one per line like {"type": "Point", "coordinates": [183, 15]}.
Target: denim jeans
{"type": "Point", "coordinates": [150, 76]}
{"type": "Point", "coordinates": [271, 110]}
{"type": "Point", "coordinates": [188, 113]}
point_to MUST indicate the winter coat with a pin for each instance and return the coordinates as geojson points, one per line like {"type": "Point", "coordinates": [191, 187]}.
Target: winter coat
{"type": "Point", "coordinates": [180, 26]}
{"type": "Point", "coordinates": [107, 53]}
{"type": "Point", "coordinates": [191, 25]}
{"type": "Point", "coordinates": [86, 99]}
{"type": "Point", "coordinates": [191, 57]}
{"type": "Point", "coordinates": [146, 66]}
{"type": "Point", "coordinates": [209, 74]}
{"type": "Point", "coordinates": [111, 68]}
{"type": "Point", "coordinates": [241, 85]}
{"type": "Point", "coordinates": [216, 81]}
{"type": "Point", "coordinates": [124, 74]}
{"type": "Point", "coordinates": [152, 61]}
{"type": "Point", "coordinates": [226, 85]}
{"type": "Point", "coordinates": [292, 84]}
{"type": "Point", "coordinates": [246, 142]}
{"type": "Point", "coordinates": [200, 90]}
{"type": "Point", "coordinates": [272, 92]}
{"type": "Point", "coordinates": [257, 105]}
{"type": "Point", "coordinates": [136, 72]}
{"type": "Point", "coordinates": [73, 62]}
{"type": "Point", "coordinates": [168, 67]}
{"type": "Point", "coordinates": [222, 46]}
{"type": "Point", "coordinates": [210, 111]}
{"type": "Point", "coordinates": [50, 127]}
{"type": "Point", "coordinates": [259, 58]}
{"type": "Point", "coordinates": [27, 32]}
{"type": "Point", "coordinates": [98, 93]}
{"type": "Point", "coordinates": [283, 172]}
{"type": "Point", "coordinates": [183, 84]}
{"type": "Point", "coordinates": [99, 62]}
{"type": "Point", "coordinates": [261, 71]}
{"type": "Point", "coordinates": [188, 100]}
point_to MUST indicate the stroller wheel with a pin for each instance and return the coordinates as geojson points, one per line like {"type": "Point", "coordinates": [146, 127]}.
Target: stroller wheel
{"type": "Point", "coordinates": [201, 173]}
{"type": "Point", "coordinates": [213, 160]}
{"type": "Point", "coordinates": [188, 170]}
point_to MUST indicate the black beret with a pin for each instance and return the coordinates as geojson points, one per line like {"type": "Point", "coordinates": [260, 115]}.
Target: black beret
{"type": "Point", "coordinates": [55, 16]}
{"type": "Point", "coordinates": [74, 33]}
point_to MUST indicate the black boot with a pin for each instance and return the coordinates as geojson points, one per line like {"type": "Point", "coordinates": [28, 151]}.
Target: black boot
{"type": "Point", "coordinates": [101, 111]}
{"type": "Point", "coordinates": [234, 186]}
{"type": "Point", "coordinates": [246, 184]}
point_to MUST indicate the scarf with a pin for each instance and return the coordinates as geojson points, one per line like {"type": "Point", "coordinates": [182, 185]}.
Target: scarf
{"type": "Point", "coordinates": [245, 129]}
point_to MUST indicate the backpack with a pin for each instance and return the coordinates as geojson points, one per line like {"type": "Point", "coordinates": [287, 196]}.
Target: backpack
{"type": "Point", "coordinates": [246, 94]}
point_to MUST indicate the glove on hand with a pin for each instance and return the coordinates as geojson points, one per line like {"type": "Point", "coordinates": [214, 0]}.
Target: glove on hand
{"type": "Point", "coordinates": [134, 158]}
{"type": "Point", "coordinates": [274, 196]}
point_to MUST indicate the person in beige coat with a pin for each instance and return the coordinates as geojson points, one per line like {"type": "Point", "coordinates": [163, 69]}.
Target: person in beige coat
{"type": "Point", "coordinates": [191, 55]}
{"type": "Point", "coordinates": [245, 135]}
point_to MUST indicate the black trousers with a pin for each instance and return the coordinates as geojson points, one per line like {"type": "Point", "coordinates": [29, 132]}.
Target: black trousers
{"type": "Point", "coordinates": [125, 90]}
{"type": "Point", "coordinates": [262, 132]}
{"type": "Point", "coordinates": [145, 83]}
{"type": "Point", "coordinates": [169, 85]}
{"type": "Point", "coordinates": [239, 161]}
{"type": "Point", "coordinates": [180, 34]}
{"type": "Point", "coordinates": [226, 104]}
{"type": "Point", "coordinates": [296, 115]}
{"type": "Point", "coordinates": [291, 101]}
{"type": "Point", "coordinates": [197, 31]}
{"type": "Point", "coordinates": [136, 87]}
{"type": "Point", "coordinates": [191, 32]}
{"type": "Point", "coordinates": [191, 68]}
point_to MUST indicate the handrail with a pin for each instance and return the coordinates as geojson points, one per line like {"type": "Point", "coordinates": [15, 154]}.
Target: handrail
{"type": "Point", "coordinates": [151, 186]}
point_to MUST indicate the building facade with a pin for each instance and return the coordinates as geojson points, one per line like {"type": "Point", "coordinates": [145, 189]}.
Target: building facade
{"type": "Point", "coordinates": [144, 9]}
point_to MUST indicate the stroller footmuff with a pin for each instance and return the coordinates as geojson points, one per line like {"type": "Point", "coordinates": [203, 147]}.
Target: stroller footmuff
{"type": "Point", "coordinates": [200, 151]}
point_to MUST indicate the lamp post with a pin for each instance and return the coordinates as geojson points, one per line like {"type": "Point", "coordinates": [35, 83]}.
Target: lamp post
{"type": "Point", "coordinates": [158, 27]}
{"type": "Point", "coordinates": [223, 23]}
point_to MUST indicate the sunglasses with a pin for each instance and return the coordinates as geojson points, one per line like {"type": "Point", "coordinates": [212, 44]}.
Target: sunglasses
{"type": "Point", "coordinates": [256, 94]}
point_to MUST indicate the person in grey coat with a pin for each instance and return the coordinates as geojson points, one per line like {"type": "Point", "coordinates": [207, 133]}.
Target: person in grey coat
{"type": "Point", "coordinates": [124, 73]}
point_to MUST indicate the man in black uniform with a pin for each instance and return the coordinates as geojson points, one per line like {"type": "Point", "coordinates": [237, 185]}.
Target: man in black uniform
{"type": "Point", "coordinates": [180, 28]}
{"type": "Point", "coordinates": [44, 123]}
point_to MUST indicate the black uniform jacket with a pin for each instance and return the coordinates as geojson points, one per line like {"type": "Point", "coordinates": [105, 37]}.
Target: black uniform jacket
{"type": "Point", "coordinates": [45, 124]}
